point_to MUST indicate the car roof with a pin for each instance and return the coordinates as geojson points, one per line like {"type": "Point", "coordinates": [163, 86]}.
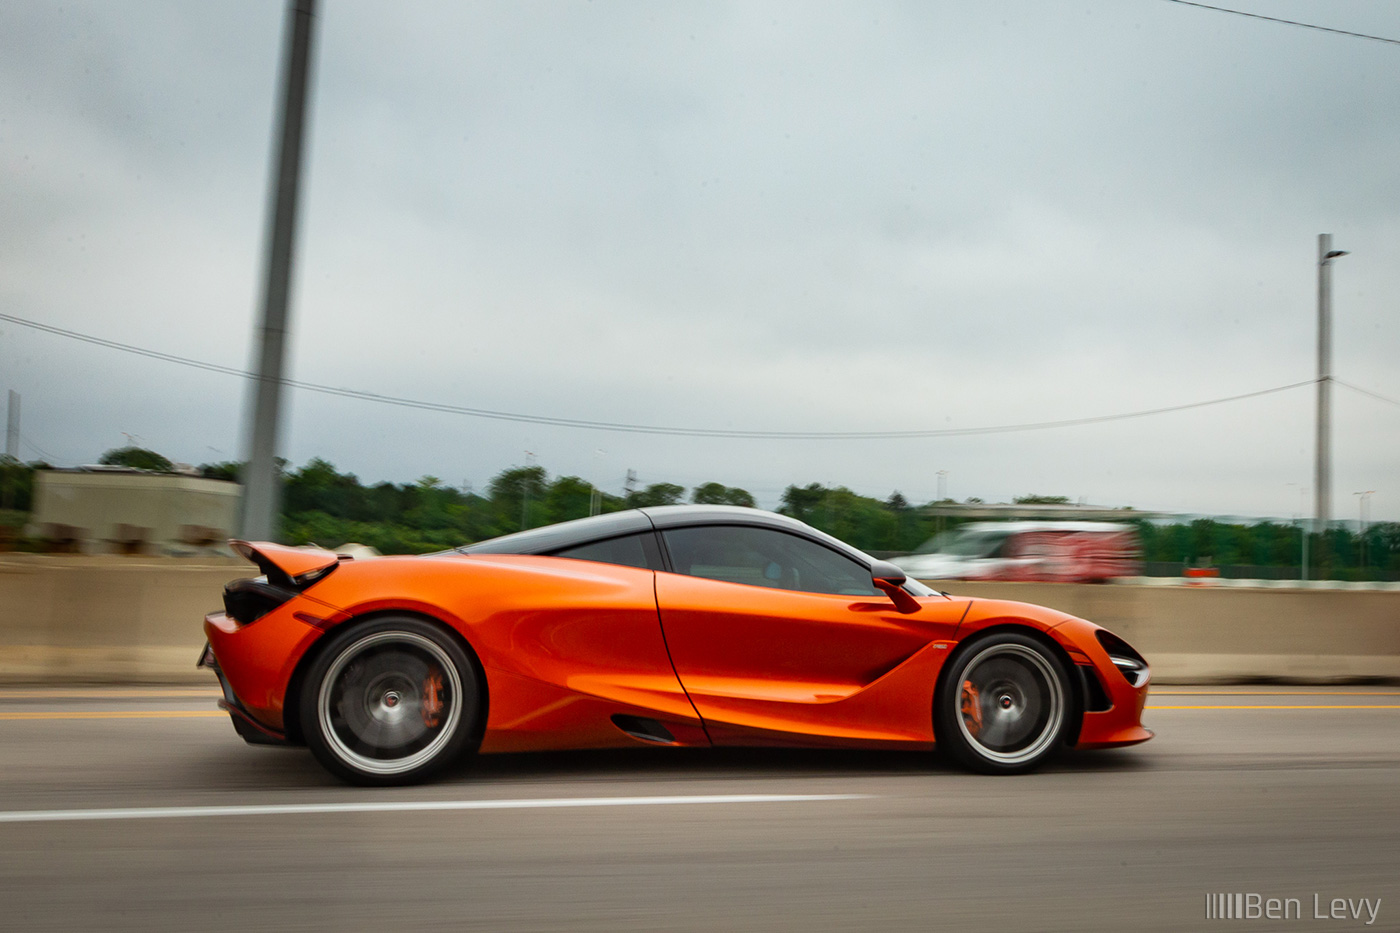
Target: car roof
{"type": "Point", "coordinates": [613, 524]}
{"type": "Point", "coordinates": [562, 535]}
{"type": "Point", "coordinates": [675, 516]}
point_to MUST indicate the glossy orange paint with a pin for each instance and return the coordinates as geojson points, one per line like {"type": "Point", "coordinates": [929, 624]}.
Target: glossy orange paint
{"type": "Point", "coordinates": [293, 561]}
{"type": "Point", "coordinates": [1122, 723]}
{"type": "Point", "coordinates": [785, 667]}
{"type": "Point", "coordinates": [545, 630]}
{"type": "Point", "coordinates": [566, 645]}
{"type": "Point", "coordinates": [258, 659]}
{"type": "Point", "coordinates": [1119, 725]}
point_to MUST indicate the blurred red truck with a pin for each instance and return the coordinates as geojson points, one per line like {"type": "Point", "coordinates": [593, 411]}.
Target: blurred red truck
{"type": "Point", "coordinates": [1056, 552]}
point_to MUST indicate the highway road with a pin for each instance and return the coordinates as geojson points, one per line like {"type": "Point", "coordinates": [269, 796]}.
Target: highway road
{"type": "Point", "coordinates": [139, 809]}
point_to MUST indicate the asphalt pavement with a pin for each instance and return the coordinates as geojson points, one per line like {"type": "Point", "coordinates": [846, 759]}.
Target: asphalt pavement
{"type": "Point", "coordinates": [139, 809]}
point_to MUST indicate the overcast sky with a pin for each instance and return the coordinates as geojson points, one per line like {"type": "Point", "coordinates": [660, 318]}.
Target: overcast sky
{"type": "Point", "coordinates": [750, 216]}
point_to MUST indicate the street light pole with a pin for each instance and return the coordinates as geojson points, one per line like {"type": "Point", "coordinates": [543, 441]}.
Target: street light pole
{"type": "Point", "coordinates": [1302, 529]}
{"type": "Point", "coordinates": [525, 490]}
{"type": "Point", "coordinates": [12, 428]}
{"type": "Point", "coordinates": [1322, 479]}
{"type": "Point", "coordinates": [1363, 500]}
{"type": "Point", "coordinates": [942, 494]}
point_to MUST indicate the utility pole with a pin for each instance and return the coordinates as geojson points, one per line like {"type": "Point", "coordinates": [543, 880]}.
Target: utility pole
{"type": "Point", "coordinates": [12, 428]}
{"type": "Point", "coordinates": [1322, 479]}
{"type": "Point", "coordinates": [262, 484]}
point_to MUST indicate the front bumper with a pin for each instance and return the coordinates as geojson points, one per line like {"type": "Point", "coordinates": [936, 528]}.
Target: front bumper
{"type": "Point", "coordinates": [1121, 722]}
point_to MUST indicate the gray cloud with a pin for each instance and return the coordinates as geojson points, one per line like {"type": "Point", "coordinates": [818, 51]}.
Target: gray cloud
{"type": "Point", "coordinates": [758, 216]}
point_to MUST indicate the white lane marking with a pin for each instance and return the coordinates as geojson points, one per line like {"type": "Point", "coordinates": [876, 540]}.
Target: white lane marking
{"type": "Point", "coordinates": [166, 813]}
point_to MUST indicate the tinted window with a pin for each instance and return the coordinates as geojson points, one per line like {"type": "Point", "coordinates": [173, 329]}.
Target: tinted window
{"type": "Point", "coordinates": [762, 557]}
{"type": "Point", "coordinates": [629, 551]}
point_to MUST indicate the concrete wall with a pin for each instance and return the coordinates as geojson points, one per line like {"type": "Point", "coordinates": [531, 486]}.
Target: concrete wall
{"type": "Point", "coordinates": [1202, 634]}
{"type": "Point", "coordinates": [95, 619]}
{"type": "Point", "coordinates": [108, 619]}
{"type": "Point", "coordinates": [163, 505]}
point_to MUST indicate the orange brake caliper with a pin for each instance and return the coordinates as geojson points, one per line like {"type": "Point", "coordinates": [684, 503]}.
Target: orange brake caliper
{"type": "Point", "coordinates": [972, 708]}
{"type": "Point", "coordinates": [432, 699]}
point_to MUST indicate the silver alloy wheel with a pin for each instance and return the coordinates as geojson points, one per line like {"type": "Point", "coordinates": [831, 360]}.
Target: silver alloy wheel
{"type": "Point", "coordinates": [1011, 703]}
{"type": "Point", "coordinates": [378, 707]}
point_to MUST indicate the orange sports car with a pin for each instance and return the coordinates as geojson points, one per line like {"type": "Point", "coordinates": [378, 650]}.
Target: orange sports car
{"type": "Point", "coordinates": [682, 625]}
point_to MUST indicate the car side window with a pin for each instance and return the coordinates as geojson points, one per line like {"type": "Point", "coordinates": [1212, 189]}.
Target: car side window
{"type": "Point", "coordinates": [637, 550]}
{"type": "Point", "coordinates": [765, 557]}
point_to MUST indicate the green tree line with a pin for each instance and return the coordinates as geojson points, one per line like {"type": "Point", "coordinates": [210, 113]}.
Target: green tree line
{"type": "Point", "coordinates": [325, 506]}
{"type": "Point", "coordinates": [321, 504]}
{"type": "Point", "coordinates": [1338, 553]}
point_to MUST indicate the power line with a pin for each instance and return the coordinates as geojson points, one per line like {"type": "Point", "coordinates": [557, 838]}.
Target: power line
{"type": "Point", "coordinates": [1286, 22]}
{"type": "Point", "coordinates": [1374, 395]}
{"type": "Point", "coordinates": [625, 428]}
{"type": "Point", "coordinates": [50, 458]}
{"type": "Point", "coordinates": [126, 347]}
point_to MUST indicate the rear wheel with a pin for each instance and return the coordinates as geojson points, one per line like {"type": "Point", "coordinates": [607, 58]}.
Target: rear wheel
{"type": "Point", "coordinates": [390, 702]}
{"type": "Point", "coordinates": [1005, 704]}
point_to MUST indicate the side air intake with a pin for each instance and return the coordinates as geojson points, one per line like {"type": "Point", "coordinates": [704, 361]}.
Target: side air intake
{"type": "Point", "coordinates": [647, 730]}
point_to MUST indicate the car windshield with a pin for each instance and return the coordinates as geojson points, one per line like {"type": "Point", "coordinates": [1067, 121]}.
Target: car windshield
{"type": "Point", "coordinates": [957, 543]}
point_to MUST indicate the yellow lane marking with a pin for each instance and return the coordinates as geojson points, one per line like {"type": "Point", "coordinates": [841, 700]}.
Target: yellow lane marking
{"type": "Point", "coordinates": [115, 714]}
{"type": "Point", "coordinates": [109, 693]}
{"type": "Point", "coordinates": [1319, 706]}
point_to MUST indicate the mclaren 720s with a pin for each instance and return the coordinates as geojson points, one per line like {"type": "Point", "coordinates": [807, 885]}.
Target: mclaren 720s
{"type": "Point", "coordinates": [681, 625]}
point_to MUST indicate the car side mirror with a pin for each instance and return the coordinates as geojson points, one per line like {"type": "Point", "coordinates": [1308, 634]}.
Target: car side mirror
{"type": "Point", "coordinates": [890, 579]}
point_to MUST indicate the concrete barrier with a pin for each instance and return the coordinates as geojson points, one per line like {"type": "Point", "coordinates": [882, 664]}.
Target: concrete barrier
{"type": "Point", "coordinates": [107, 619]}
{"type": "Point", "coordinates": [110, 619]}
{"type": "Point", "coordinates": [1206, 634]}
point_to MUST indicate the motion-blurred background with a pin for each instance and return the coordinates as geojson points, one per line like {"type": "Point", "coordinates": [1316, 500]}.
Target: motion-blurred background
{"type": "Point", "coordinates": [1025, 292]}
{"type": "Point", "coordinates": [755, 219]}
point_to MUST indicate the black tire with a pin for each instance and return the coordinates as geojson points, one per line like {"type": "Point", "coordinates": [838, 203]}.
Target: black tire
{"type": "Point", "coordinates": [1005, 704]}
{"type": "Point", "coordinates": [390, 701]}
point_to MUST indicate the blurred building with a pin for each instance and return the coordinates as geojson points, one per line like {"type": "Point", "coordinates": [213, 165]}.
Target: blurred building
{"type": "Point", "coordinates": [119, 510]}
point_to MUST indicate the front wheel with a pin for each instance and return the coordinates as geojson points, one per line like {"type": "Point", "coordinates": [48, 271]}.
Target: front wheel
{"type": "Point", "coordinates": [390, 702]}
{"type": "Point", "coordinates": [1005, 704]}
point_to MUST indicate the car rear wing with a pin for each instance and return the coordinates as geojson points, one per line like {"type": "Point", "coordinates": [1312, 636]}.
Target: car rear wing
{"type": "Point", "coordinates": [292, 567]}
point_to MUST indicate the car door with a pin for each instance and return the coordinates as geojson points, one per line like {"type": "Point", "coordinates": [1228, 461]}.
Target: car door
{"type": "Point", "coordinates": [579, 656]}
{"type": "Point", "coordinates": [777, 637]}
